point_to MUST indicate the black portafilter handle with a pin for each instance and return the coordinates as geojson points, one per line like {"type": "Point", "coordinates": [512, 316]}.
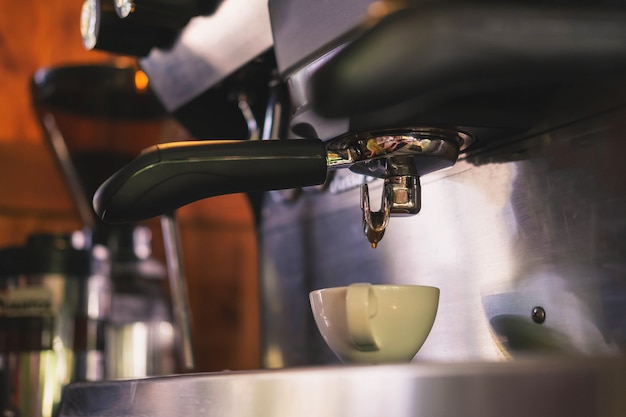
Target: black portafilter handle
{"type": "Point", "coordinates": [168, 176]}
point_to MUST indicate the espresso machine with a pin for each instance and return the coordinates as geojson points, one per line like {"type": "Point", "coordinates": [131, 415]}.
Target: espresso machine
{"type": "Point", "coordinates": [471, 146]}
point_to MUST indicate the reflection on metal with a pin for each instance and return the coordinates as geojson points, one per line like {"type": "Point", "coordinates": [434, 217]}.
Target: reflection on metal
{"type": "Point", "coordinates": [139, 349]}
{"type": "Point", "coordinates": [431, 149]}
{"type": "Point", "coordinates": [535, 223]}
{"type": "Point", "coordinates": [401, 196]}
{"type": "Point", "coordinates": [178, 289]}
{"type": "Point", "coordinates": [538, 388]}
{"type": "Point", "coordinates": [400, 157]}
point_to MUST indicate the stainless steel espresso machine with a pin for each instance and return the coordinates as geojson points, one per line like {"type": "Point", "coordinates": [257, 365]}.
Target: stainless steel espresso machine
{"type": "Point", "coordinates": [471, 146]}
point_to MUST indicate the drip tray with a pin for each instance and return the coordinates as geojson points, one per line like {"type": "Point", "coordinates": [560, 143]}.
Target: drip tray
{"type": "Point", "coordinates": [536, 387]}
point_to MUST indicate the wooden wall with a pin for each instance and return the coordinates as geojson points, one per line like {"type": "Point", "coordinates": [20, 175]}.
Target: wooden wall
{"type": "Point", "coordinates": [217, 234]}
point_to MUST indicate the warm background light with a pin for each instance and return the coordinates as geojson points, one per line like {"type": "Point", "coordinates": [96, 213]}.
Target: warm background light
{"type": "Point", "coordinates": [218, 235]}
{"type": "Point", "coordinates": [141, 80]}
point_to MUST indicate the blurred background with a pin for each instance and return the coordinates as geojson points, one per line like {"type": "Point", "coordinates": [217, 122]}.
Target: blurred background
{"type": "Point", "coordinates": [217, 234]}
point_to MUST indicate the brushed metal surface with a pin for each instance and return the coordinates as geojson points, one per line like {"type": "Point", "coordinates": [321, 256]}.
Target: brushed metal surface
{"type": "Point", "coordinates": [538, 388]}
{"type": "Point", "coordinates": [537, 223]}
{"type": "Point", "coordinates": [208, 50]}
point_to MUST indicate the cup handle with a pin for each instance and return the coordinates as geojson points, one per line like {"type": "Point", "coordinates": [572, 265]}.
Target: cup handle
{"type": "Point", "coordinates": [361, 306]}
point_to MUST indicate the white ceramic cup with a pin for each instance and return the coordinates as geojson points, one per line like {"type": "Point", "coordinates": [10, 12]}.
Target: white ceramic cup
{"type": "Point", "coordinates": [364, 323]}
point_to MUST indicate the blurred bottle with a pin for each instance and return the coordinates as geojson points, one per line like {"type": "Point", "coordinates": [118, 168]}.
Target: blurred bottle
{"type": "Point", "coordinates": [54, 303]}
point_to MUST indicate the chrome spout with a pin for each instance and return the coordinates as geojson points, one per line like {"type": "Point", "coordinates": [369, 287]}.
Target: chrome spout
{"type": "Point", "coordinates": [374, 222]}
{"type": "Point", "coordinates": [400, 157]}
